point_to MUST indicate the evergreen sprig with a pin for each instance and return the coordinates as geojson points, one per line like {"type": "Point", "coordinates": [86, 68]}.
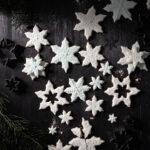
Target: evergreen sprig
{"type": "Point", "coordinates": [16, 133]}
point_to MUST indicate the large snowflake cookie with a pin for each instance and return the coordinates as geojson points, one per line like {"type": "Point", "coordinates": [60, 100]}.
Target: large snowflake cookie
{"type": "Point", "coordinates": [94, 105]}
{"type": "Point", "coordinates": [89, 22]}
{"type": "Point", "coordinates": [82, 141]}
{"type": "Point", "coordinates": [35, 67]}
{"type": "Point", "coordinates": [59, 146]}
{"type": "Point", "coordinates": [91, 55]}
{"type": "Point", "coordinates": [37, 38]}
{"type": "Point", "coordinates": [120, 8]}
{"type": "Point", "coordinates": [65, 54]}
{"type": "Point", "coordinates": [77, 89]}
{"type": "Point", "coordinates": [58, 100]}
{"type": "Point", "coordinates": [133, 58]}
{"type": "Point", "coordinates": [114, 91]}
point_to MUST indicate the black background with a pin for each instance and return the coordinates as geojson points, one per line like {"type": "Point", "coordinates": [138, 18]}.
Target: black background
{"type": "Point", "coordinates": [59, 18]}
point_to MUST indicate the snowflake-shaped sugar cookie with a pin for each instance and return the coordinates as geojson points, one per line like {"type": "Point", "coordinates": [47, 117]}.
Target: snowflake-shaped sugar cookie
{"type": "Point", "coordinates": [37, 38]}
{"type": "Point", "coordinates": [65, 54]}
{"type": "Point", "coordinates": [113, 91]}
{"type": "Point", "coordinates": [94, 105]}
{"type": "Point", "coordinates": [96, 83]}
{"type": "Point", "coordinates": [133, 58]}
{"type": "Point", "coordinates": [59, 146]}
{"type": "Point", "coordinates": [112, 118]}
{"type": "Point", "coordinates": [82, 141]}
{"type": "Point", "coordinates": [66, 117]}
{"type": "Point", "coordinates": [77, 89]}
{"type": "Point", "coordinates": [105, 68]}
{"type": "Point", "coordinates": [59, 100]}
{"type": "Point", "coordinates": [120, 8]}
{"type": "Point", "coordinates": [52, 130]}
{"type": "Point", "coordinates": [89, 22]}
{"type": "Point", "coordinates": [35, 67]}
{"type": "Point", "coordinates": [91, 55]}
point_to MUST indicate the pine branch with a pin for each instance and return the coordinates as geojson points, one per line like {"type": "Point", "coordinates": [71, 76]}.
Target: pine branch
{"type": "Point", "coordinates": [16, 133]}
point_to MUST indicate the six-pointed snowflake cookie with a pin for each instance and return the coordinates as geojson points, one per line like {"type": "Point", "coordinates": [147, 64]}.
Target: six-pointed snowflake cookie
{"type": "Point", "coordinates": [59, 146]}
{"type": "Point", "coordinates": [120, 8]}
{"type": "Point", "coordinates": [65, 54]}
{"type": "Point", "coordinates": [112, 118]}
{"type": "Point", "coordinates": [91, 55]}
{"type": "Point", "coordinates": [89, 22]}
{"type": "Point", "coordinates": [77, 89]}
{"type": "Point", "coordinates": [37, 38]}
{"type": "Point", "coordinates": [94, 105]}
{"type": "Point", "coordinates": [82, 141]}
{"type": "Point", "coordinates": [66, 117]}
{"type": "Point", "coordinates": [114, 91]}
{"type": "Point", "coordinates": [96, 83]}
{"type": "Point", "coordinates": [133, 58]}
{"type": "Point", "coordinates": [105, 68]}
{"type": "Point", "coordinates": [58, 100]}
{"type": "Point", "coordinates": [35, 67]}
{"type": "Point", "coordinates": [52, 130]}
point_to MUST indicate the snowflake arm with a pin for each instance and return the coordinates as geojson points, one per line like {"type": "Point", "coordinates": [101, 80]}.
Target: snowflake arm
{"type": "Point", "coordinates": [93, 142]}
{"type": "Point", "coordinates": [65, 54]}
{"type": "Point", "coordinates": [37, 38]}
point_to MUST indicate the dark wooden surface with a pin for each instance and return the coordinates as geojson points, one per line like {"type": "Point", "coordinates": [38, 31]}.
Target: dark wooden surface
{"type": "Point", "coordinates": [60, 23]}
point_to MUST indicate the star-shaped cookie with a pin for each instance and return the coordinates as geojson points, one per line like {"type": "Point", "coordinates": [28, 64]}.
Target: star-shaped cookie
{"type": "Point", "coordinates": [59, 100]}
{"type": "Point", "coordinates": [112, 118]}
{"type": "Point", "coordinates": [120, 8]}
{"type": "Point", "coordinates": [94, 105]}
{"type": "Point", "coordinates": [105, 68]}
{"type": "Point", "coordinates": [82, 140]}
{"type": "Point", "coordinates": [133, 58]}
{"type": "Point", "coordinates": [66, 117]}
{"type": "Point", "coordinates": [89, 22]}
{"type": "Point", "coordinates": [35, 67]}
{"type": "Point", "coordinates": [65, 54]}
{"type": "Point", "coordinates": [113, 91]}
{"type": "Point", "coordinates": [37, 38]}
{"type": "Point", "coordinates": [91, 55]}
{"type": "Point", "coordinates": [96, 83]}
{"type": "Point", "coordinates": [77, 89]}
